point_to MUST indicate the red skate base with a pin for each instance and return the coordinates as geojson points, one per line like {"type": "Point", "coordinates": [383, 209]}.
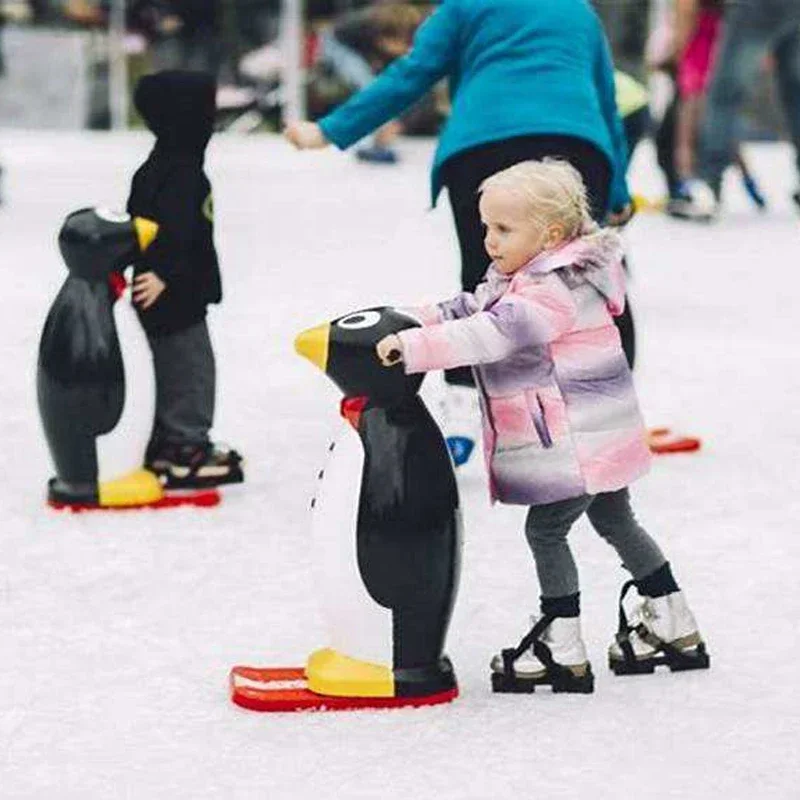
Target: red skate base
{"type": "Point", "coordinates": [284, 689]}
{"type": "Point", "coordinates": [662, 441]}
{"type": "Point", "coordinates": [203, 498]}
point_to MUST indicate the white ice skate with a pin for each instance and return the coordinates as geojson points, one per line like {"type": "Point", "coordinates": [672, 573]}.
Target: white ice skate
{"type": "Point", "coordinates": [552, 654]}
{"type": "Point", "coordinates": [662, 630]}
{"type": "Point", "coordinates": [695, 201]}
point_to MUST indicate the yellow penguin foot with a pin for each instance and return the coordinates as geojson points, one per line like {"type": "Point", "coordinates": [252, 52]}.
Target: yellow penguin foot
{"type": "Point", "coordinates": [138, 489]}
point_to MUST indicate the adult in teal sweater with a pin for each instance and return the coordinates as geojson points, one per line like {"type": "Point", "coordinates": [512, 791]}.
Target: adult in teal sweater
{"type": "Point", "coordinates": [528, 79]}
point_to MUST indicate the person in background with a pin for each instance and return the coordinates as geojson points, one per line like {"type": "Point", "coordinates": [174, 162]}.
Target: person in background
{"type": "Point", "coordinates": [751, 30]}
{"type": "Point", "coordinates": [627, 27]}
{"type": "Point", "coordinates": [697, 30]}
{"type": "Point", "coordinates": [359, 46]}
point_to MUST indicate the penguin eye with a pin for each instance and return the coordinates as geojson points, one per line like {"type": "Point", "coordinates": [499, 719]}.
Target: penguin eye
{"type": "Point", "coordinates": [359, 320]}
{"type": "Point", "coordinates": [112, 216]}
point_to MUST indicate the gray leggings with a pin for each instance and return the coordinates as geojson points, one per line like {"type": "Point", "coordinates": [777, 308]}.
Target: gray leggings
{"type": "Point", "coordinates": [185, 385]}
{"type": "Point", "coordinates": [611, 516]}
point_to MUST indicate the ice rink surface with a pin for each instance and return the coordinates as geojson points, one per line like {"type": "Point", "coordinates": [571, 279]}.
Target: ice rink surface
{"type": "Point", "coordinates": [117, 631]}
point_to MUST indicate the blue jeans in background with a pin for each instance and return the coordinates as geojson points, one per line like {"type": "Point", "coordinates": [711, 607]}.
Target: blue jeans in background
{"type": "Point", "coordinates": [348, 64]}
{"type": "Point", "coordinates": [752, 28]}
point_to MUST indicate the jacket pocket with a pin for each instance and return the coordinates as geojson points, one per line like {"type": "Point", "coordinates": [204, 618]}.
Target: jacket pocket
{"type": "Point", "coordinates": [540, 420]}
{"type": "Point", "coordinates": [514, 423]}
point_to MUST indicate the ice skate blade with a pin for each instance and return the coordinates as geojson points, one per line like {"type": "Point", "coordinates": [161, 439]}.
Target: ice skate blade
{"type": "Point", "coordinates": [284, 689]}
{"type": "Point", "coordinates": [566, 683]}
{"type": "Point", "coordinates": [675, 663]}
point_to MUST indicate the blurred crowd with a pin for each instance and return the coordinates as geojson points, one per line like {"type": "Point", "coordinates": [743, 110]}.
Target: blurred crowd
{"type": "Point", "coordinates": [348, 42]}
{"type": "Point", "coordinates": [238, 42]}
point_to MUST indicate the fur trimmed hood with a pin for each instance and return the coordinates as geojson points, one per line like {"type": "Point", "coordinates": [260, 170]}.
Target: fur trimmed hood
{"type": "Point", "coordinates": [595, 258]}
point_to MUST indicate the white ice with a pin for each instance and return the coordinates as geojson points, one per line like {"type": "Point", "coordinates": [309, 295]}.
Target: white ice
{"type": "Point", "coordinates": [117, 631]}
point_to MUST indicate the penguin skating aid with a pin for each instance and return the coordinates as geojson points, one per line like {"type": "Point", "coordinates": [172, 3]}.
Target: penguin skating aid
{"type": "Point", "coordinates": [663, 441]}
{"type": "Point", "coordinates": [95, 422]}
{"type": "Point", "coordinates": [386, 538]}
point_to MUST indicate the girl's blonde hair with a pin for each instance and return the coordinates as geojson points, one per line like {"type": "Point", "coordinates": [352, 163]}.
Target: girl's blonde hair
{"type": "Point", "coordinates": [552, 192]}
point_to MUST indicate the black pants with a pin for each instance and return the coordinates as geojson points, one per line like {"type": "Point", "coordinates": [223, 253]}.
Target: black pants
{"type": "Point", "coordinates": [636, 127]}
{"type": "Point", "coordinates": [463, 174]}
{"type": "Point", "coordinates": [185, 385]}
{"type": "Point", "coordinates": [665, 142]}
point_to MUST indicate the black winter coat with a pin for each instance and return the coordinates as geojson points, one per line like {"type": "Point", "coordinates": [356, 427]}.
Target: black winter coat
{"type": "Point", "coordinates": [172, 189]}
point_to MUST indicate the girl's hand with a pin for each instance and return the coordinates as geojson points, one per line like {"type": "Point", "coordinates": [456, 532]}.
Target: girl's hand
{"type": "Point", "coordinates": [147, 288]}
{"type": "Point", "coordinates": [305, 135]}
{"type": "Point", "coordinates": [390, 350]}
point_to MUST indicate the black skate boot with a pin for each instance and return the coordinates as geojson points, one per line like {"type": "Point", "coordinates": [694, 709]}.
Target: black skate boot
{"type": "Point", "coordinates": [193, 466]}
{"type": "Point", "coordinates": [662, 630]}
{"type": "Point", "coordinates": [533, 662]}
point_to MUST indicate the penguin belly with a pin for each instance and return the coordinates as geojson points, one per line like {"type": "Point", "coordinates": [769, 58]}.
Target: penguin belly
{"type": "Point", "coordinates": [122, 480]}
{"type": "Point", "coordinates": [359, 627]}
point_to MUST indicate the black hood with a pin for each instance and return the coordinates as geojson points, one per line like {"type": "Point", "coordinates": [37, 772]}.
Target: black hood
{"type": "Point", "coordinates": [178, 107]}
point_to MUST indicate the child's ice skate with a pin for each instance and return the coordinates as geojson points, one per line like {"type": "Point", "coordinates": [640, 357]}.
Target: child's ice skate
{"type": "Point", "coordinates": [551, 654]}
{"type": "Point", "coordinates": [460, 421]}
{"type": "Point", "coordinates": [662, 630]}
{"type": "Point", "coordinates": [192, 466]}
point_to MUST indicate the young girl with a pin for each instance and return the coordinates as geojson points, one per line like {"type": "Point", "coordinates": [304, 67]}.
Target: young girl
{"type": "Point", "coordinates": [562, 429]}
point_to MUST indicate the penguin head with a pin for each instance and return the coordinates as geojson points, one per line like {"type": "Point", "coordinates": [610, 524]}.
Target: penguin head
{"type": "Point", "coordinates": [344, 350]}
{"type": "Point", "coordinates": [95, 242]}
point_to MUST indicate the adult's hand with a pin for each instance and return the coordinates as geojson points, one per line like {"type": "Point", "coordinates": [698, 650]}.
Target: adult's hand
{"type": "Point", "coordinates": [305, 135]}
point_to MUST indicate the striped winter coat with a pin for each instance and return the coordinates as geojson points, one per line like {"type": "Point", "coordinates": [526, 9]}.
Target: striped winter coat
{"type": "Point", "coordinates": [560, 414]}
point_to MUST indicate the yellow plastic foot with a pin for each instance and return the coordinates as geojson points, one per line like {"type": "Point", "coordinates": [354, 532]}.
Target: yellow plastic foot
{"type": "Point", "coordinates": [137, 488]}
{"type": "Point", "coordinates": [332, 673]}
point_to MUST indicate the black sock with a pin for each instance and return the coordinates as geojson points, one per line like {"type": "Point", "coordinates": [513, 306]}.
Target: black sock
{"type": "Point", "coordinates": [567, 606]}
{"type": "Point", "coordinates": [658, 583]}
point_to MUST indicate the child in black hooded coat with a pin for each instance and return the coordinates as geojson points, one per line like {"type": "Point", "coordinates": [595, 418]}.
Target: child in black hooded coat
{"type": "Point", "coordinates": [178, 276]}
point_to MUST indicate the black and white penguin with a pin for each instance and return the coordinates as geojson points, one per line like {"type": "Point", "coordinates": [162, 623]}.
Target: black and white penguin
{"type": "Point", "coordinates": [97, 449]}
{"type": "Point", "coordinates": [386, 523]}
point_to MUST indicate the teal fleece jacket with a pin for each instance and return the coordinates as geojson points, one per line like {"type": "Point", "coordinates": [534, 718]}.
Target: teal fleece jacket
{"type": "Point", "coordinates": [515, 67]}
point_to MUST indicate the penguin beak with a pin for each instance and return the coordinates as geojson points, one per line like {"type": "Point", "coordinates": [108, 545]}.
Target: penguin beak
{"type": "Point", "coordinates": [146, 231]}
{"type": "Point", "coordinates": [313, 345]}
